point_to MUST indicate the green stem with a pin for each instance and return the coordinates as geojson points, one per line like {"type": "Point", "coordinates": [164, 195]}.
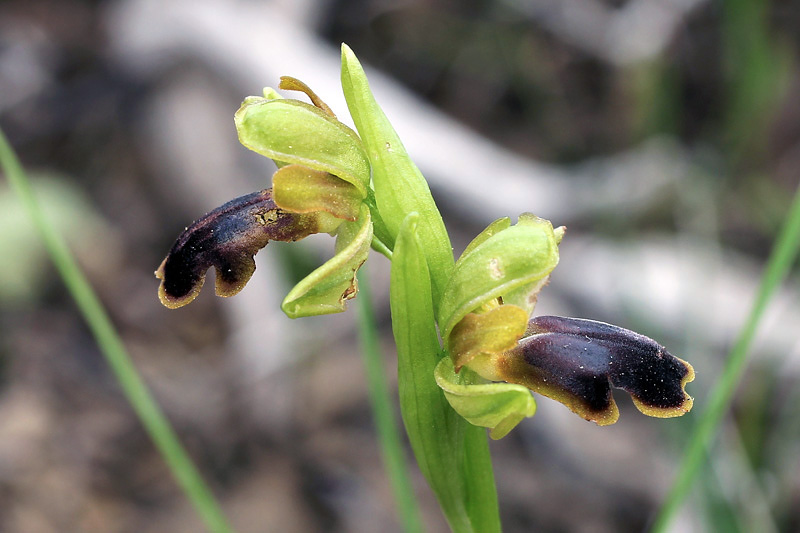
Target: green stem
{"type": "Point", "coordinates": [146, 408]}
{"type": "Point", "coordinates": [784, 252]}
{"type": "Point", "coordinates": [385, 420]}
{"type": "Point", "coordinates": [379, 246]}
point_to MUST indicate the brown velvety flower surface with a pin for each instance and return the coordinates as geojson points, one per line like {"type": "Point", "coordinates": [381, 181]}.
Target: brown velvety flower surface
{"type": "Point", "coordinates": [576, 361]}
{"type": "Point", "coordinates": [227, 238]}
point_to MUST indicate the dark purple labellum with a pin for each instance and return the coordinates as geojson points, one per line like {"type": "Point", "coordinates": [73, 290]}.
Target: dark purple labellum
{"type": "Point", "coordinates": [575, 362]}
{"type": "Point", "coordinates": [227, 238]}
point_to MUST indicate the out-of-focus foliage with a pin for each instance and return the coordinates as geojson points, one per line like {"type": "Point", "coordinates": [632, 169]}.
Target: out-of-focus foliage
{"type": "Point", "coordinates": [23, 262]}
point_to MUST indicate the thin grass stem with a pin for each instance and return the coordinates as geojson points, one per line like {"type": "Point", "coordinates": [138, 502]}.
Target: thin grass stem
{"type": "Point", "coordinates": [134, 388]}
{"type": "Point", "coordinates": [386, 422]}
{"type": "Point", "coordinates": [782, 257]}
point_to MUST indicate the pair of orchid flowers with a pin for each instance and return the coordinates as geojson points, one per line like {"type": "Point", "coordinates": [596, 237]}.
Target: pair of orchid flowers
{"type": "Point", "coordinates": [360, 189]}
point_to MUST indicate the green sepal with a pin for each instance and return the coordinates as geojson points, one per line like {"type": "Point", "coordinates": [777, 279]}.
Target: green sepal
{"type": "Point", "coordinates": [327, 288]}
{"type": "Point", "coordinates": [304, 190]}
{"type": "Point", "coordinates": [495, 227]}
{"type": "Point", "coordinates": [269, 94]}
{"type": "Point", "coordinates": [498, 406]}
{"type": "Point", "coordinates": [291, 131]}
{"type": "Point", "coordinates": [399, 186]}
{"type": "Point", "coordinates": [505, 260]}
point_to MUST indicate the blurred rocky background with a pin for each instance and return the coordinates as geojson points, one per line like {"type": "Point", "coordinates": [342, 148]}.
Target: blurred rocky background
{"type": "Point", "coordinates": [664, 133]}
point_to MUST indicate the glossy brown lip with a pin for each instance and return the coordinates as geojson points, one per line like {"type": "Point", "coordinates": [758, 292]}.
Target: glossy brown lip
{"type": "Point", "coordinates": [576, 361]}
{"type": "Point", "coordinates": [227, 238]}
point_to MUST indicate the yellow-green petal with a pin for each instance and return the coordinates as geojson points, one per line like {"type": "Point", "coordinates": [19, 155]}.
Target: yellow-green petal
{"type": "Point", "coordinates": [304, 190]}
{"type": "Point", "coordinates": [492, 332]}
{"type": "Point", "coordinates": [269, 94]}
{"type": "Point", "coordinates": [498, 406]}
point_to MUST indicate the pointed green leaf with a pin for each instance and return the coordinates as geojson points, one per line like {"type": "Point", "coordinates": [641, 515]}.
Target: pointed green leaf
{"type": "Point", "coordinates": [399, 186]}
{"type": "Point", "coordinates": [326, 290]}
{"type": "Point", "coordinates": [291, 131]}
{"type": "Point", "coordinates": [499, 406]}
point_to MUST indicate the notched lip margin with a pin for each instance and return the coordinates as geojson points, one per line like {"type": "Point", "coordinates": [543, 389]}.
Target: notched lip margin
{"type": "Point", "coordinates": [227, 238]}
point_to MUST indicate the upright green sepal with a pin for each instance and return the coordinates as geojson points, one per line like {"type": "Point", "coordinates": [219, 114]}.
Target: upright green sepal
{"type": "Point", "coordinates": [495, 227]}
{"type": "Point", "coordinates": [327, 289]}
{"type": "Point", "coordinates": [290, 131]}
{"type": "Point", "coordinates": [399, 186]}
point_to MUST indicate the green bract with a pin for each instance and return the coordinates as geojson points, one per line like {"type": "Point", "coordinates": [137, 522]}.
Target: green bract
{"type": "Point", "coordinates": [399, 186]}
{"type": "Point", "coordinates": [451, 453]}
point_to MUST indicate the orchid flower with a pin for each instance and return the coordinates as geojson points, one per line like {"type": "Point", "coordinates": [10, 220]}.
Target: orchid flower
{"type": "Point", "coordinates": [488, 327]}
{"type": "Point", "coordinates": [321, 186]}
{"type": "Point", "coordinates": [363, 188]}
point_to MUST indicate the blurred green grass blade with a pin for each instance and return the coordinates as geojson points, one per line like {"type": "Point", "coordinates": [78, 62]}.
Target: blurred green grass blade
{"type": "Point", "coordinates": [782, 257]}
{"type": "Point", "coordinates": [385, 421]}
{"type": "Point", "coordinates": [146, 408]}
{"type": "Point", "coordinates": [756, 66]}
{"type": "Point", "coordinates": [452, 454]}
